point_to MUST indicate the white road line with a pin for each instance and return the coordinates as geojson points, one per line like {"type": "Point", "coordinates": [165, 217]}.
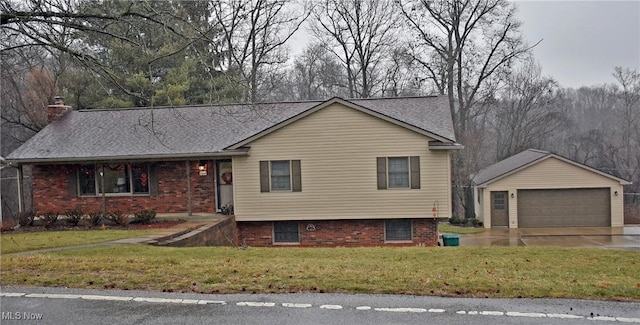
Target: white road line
{"type": "Point", "coordinates": [37, 295]}
{"type": "Point", "coordinates": [114, 298]}
{"type": "Point", "coordinates": [161, 300]}
{"type": "Point", "coordinates": [519, 314]}
{"type": "Point", "coordinates": [436, 310]}
{"type": "Point", "coordinates": [336, 307]}
{"type": "Point", "coordinates": [628, 320]}
{"type": "Point", "coordinates": [61, 296]}
{"type": "Point", "coordinates": [216, 302]}
{"type": "Point", "coordinates": [11, 294]}
{"type": "Point", "coordinates": [294, 305]}
{"type": "Point", "coordinates": [402, 310]}
{"type": "Point", "coordinates": [603, 318]}
{"type": "Point", "coordinates": [190, 301]}
{"type": "Point", "coordinates": [565, 316]}
{"type": "Point", "coordinates": [492, 313]}
{"type": "Point", "coordinates": [256, 304]}
{"type": "Point", "coordinates": [363, 308]}
{"type": "Point", "coordinates": [461, 312]}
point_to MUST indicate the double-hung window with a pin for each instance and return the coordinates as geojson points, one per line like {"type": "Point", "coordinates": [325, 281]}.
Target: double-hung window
{"type": "Point", "coordinates": [113, 179]}
{"type": "Point", "coordinates": [398, 172]}
{"type": "Point", "coordinates": [280, 176]}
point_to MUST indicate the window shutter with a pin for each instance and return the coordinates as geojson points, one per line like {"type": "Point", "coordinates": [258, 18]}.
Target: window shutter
{"type": "Point", "coordinates": [72, 183]}
{"type": "Point", "coordinates": [296, 176]}
{"type": "Point", "coordinates": [264, 176]}
{"type": "Point", "coordinates": [153, 179]}
{"type": "Point", "coordinates": [382, 173]}
{"type": "Point", "coordinates": [415, 172]}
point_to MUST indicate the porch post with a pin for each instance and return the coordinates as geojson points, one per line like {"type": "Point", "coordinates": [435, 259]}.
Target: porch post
{"type": "Point", "coordinates": [188, 172]}
{"type": "Point", "coordinates": [104, 195]}
{"type": "Point", "coordinates": [19, 177]}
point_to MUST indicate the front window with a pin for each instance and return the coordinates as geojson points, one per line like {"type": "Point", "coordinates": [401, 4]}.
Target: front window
{"type": "Point", "coordinates": [398, 172]}
{"type": "Point", "coordinates": [286, 232]}
{"type": "Point", "coordinates": [280, 175]}
{"type": "Point", "coordinates": [113, 179]}
{"type": "Point", "coordinates": [397, 230]}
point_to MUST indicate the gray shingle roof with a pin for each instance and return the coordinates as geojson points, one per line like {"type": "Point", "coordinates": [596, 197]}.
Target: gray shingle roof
{"type": "Point", "coordinates": [193, 131]}
{"type": "Point", "coordinates": [508, 165]}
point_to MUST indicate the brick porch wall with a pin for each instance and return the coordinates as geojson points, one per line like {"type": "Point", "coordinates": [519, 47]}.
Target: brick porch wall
{"type": "Point", "coordinates": [331, 233]}
{"type": "Point", "coordinates": [50, 192]}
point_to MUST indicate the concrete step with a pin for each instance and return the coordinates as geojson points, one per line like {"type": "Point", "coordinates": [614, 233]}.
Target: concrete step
{"type": "Point", "coordinates": [220, 232]}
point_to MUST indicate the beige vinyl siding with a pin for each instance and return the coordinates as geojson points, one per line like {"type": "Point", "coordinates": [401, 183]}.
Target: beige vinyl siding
{"type": "Point", "coordinates": [551, 173]}
{"type": "Point", "coordinates": [337, 148]}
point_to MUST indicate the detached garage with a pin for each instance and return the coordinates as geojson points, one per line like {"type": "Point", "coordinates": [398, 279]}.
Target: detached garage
{"type": "Point", "coordinates": [539, 189]}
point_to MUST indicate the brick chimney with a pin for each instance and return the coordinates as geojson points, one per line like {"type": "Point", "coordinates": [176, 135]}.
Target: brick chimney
{"type": "Point", "coordinates": [57, 110]}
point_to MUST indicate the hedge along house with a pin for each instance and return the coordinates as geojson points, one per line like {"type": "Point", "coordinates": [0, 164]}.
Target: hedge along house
{"type": "Point", "coordinates": [539, 189]}
{"type": "Point", "coordinates": [337, 172]}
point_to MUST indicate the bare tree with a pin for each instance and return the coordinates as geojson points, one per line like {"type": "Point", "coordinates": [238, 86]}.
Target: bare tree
{"type": "Point", "coordinates": [359, 33]}
{"type": "Point", "coordinates": [527, 109]}
{"type": "Point", "coordinates": [463, 44]}
{"type": "Point", "coordinates": [255, 32]}
{"type": "Point", "coordinates": [316, 74]}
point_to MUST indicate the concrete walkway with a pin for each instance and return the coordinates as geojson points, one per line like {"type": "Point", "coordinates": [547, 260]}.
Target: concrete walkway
{"type": "Point", "coordinates": [190, 223]}
{"type": "Point", "coordinates": [609, 238]}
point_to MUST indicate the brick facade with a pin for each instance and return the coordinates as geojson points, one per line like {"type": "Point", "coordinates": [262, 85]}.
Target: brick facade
{"type": "Point", "coordinates": [330, 233]}
{"type": "Point", "coordinates": [51, 191]}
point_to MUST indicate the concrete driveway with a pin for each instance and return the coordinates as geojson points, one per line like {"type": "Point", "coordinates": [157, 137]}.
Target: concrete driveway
{"type": "Point", "coordinates": [611, 238]}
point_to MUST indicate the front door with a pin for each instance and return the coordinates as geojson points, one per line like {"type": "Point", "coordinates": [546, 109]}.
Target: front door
{"type": "Point", "coordinates": [499, 209]}
{"type": "Point", "coordinates": [224, 179]}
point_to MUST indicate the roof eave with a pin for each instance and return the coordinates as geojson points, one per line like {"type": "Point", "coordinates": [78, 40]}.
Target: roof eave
{"type": "Point", "coordinates": [433, 145]}
{"type": "Point", "coordinates": [166, 157]}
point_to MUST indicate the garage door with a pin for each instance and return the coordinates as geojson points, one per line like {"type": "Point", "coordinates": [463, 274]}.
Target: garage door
{"type": "Point", "coordinates": [564, 208]}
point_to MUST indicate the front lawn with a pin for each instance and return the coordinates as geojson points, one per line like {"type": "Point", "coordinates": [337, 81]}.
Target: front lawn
{"type": "Point", "coordinates": [443, 271]}
{"type": "Point", "coordinates": [26, 241]}
{"type": "Point", "coordinates": [445, 227]}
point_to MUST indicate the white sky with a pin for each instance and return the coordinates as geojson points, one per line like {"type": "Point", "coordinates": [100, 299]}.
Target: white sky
{"type": "Point", "coordinates": [582, 40]}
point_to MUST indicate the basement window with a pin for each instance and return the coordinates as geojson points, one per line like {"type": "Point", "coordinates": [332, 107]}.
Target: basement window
{"type": "Point", "coordinates": [397, 230]}
{"type": "Point", "coordinates": [114, 179]}
{"type": "Point", "coordinates": [286, 232]}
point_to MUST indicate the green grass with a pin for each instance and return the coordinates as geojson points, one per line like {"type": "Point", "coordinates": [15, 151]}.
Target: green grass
{"type": "Point", "coordinates": [451, 271]}
{"type": "Point", "coordinates": [445, 227]}
{"type": "Point", "coordinates": [20, 242]}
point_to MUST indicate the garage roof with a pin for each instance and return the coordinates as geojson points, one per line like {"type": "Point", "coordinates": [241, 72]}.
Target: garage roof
{"type": "Point", "coordinates": [523, 160]}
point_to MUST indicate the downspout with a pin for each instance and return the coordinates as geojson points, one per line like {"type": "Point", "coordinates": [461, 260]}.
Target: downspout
{"type": "Point", "coordinates": [19, 176]}
{"type": "Point", "coordinates": [186, 165]}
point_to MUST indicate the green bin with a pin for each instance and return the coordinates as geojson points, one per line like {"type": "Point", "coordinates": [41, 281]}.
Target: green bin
{"type": "Point", "coordinates": [451, 240]}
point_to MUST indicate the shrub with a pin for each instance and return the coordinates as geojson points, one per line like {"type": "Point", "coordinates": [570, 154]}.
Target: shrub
{"type": "Point", "coordinates": [456, 221]}
{"type": "Point", "coordinates": [26, 218]}
{"type": "Point", "coordinates": [118, 217]}
{"type": "Point", "coordinates": [472, 222]}
{"type": "Point", "coordinates": [144, 216]}
{"type": "Point", "coordinates": [73, 217]}
{"type": "Point", "coordinates": [49, 219]}
{"type": "Point", "coordinates": [94, 218]}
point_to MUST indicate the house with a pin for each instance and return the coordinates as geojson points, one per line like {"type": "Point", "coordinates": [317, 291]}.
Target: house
{"type": "Point", "coordinates": [313, 173]}
{"type": "Point", "coordinates": [539, 189]}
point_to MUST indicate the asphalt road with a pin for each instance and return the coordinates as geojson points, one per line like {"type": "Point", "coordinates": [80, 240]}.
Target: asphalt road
{"type": "Point", "coordinates": [74, 306]}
